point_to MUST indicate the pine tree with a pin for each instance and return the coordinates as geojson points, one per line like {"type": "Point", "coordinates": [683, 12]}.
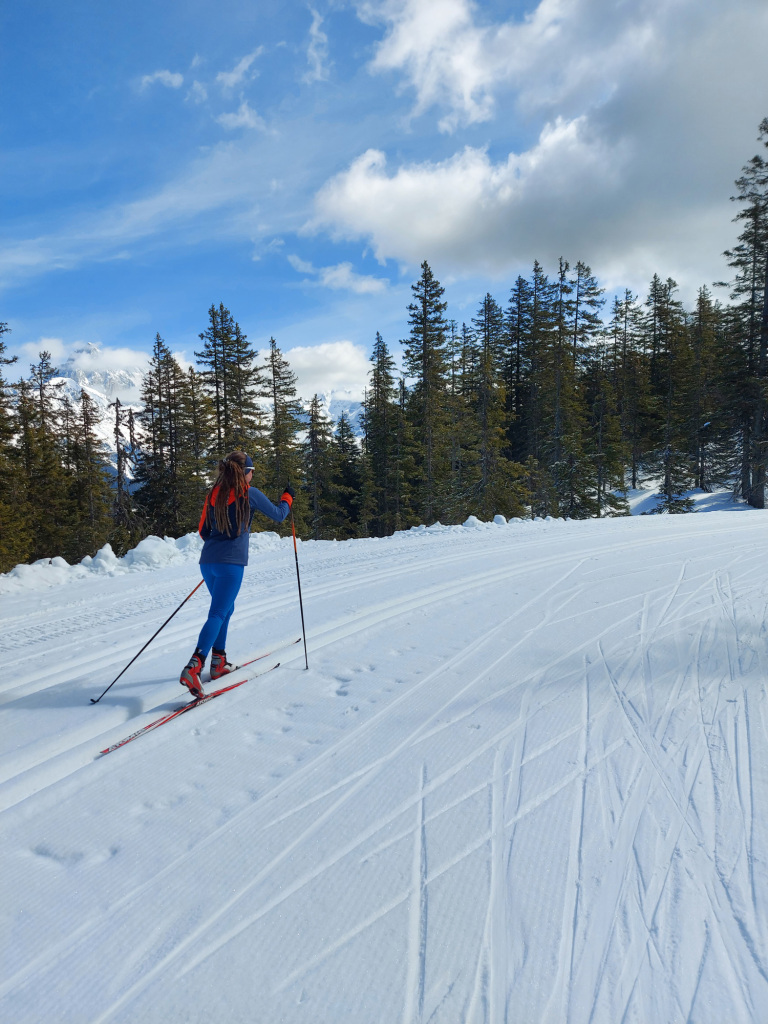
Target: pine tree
{"type": "Point", "coordinates": [630, 377]}
{"type": "Point", "coordinates": [425, 363]}
{"type": "Point", "coordinates": [379, 421]}
{"type": "Point", "coordinates": [49, 510]}
{"type": "Point", "coordinates": [488, 399]}
{"type": "Point", "coordinates": [519, 332]}
{"type": "Point", "coordinates": [750, 289]}
{"type": "Point", "coordinates": [319, 472]}
{"type": "Point", "coordinates": [15, 539]}
{"type": "Point", "coordinates": [348, 479]}
{"type": "Point", "coordinates": [90, 490]}
{"type": "Point", "coordinates": [169, 499]}
{"type": "Point", "coordinates": [283, 458]}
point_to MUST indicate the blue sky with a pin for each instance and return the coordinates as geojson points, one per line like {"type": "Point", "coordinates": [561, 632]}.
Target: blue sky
{"type": "Point", "coordinates": [297, 161]}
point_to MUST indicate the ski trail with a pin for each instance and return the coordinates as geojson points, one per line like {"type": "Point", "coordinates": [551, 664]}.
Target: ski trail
{"type": "Point", "coordinates": [418, 911]}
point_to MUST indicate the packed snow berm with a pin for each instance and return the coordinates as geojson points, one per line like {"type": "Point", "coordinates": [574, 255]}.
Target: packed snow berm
{"type": "Point", "coordinates": [523, 780]}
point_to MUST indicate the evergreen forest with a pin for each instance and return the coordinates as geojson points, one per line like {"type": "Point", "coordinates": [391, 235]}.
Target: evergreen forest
{"type": "Point", "coordinates": [553, 399]}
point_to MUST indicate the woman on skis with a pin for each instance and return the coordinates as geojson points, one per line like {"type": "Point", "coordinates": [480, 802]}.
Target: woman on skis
{"type": "Point", "coordinates": [225, 526]}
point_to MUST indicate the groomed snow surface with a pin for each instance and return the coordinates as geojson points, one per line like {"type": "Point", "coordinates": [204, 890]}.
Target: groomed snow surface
{"type": "Point", "coordinates": [525, 779]}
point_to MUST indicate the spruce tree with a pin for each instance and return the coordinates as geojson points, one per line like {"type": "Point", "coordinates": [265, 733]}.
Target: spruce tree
{"type": "Point", "coordinates": [15, 539]}
{"type": "Point", "coordinates": [319, 473]}
{"type": "Point", "coordinates": [284, 456]}
{"type": "Point", "coordinates": [49, 510]}
{"type": "Point", "coordinates": [426, 365]}
{"type": "Point", "coordinates": [379, 421]}
{"type": "Point", "coordinates": [749, 258]}
{"type": "Point", "coordinates": [90, 489]}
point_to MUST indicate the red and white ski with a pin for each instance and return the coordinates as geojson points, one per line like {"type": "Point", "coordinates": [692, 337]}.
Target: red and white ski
{"type": "Point", "coordinates": [278, 647]}
{"type": "Point", "coordinates": [188, 707]}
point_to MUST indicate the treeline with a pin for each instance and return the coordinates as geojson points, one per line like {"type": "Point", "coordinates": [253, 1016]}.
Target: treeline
{"type": "Point", "coordinates": [551, 403]}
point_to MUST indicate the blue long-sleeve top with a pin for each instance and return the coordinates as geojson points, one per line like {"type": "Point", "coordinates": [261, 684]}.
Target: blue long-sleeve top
{"type": "Point", "coordinates": [232, 548]}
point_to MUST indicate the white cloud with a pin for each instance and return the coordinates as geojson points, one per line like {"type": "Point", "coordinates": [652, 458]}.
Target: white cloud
{"type": "Point", "coordinates": [229, 79]}
{"type": "Point", "coordinates": [244, 117]}
{"type": "Point", "coordinates": [343, 277]}
{"type": "Point", "coordinates": [300, 265]}
{"type": "Point", "coordinates": [467, 209]}
{"type": "Point", "coordinates": [317, 51]}
{"type": "Point", "coordinates": [330, 366]}
{"type": "Point", "coordinates": [170, 79]}
{"type": "Point", "coordinates": [58, 350]}
{"type": "Point", "coordinates": [340, 277]}
{"type": "Point", "coordinates": [197, 92]}
{"type": "Point", "coordinates": [646, 114]}
{"type": "Point", "coordinates": [559, 50]}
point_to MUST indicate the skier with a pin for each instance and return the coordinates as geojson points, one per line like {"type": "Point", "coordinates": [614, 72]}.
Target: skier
{"type": "Point", "coordinates": [225, 526]}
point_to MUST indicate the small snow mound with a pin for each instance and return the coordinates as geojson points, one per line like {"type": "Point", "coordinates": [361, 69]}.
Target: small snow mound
{"type": "Point", "coordinates": [500, 520]}
{"type": "Point", "coordinates": [153, 552]}
{"type": "Point", "coordinates": [473, 523]}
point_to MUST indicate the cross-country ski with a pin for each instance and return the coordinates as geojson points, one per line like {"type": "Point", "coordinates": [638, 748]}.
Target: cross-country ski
{"type": "Point", "coordinates": [195, 703]}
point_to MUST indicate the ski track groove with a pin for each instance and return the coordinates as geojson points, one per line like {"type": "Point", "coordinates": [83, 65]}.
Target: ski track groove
{"type": "Point", "coordinates": [413, 1009]}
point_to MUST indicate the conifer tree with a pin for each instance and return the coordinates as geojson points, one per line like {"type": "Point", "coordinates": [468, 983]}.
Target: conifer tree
{"type": "Point", "coordinates": [348, 479]}
{"type": "Point", "coordinates": [425, 363]}
{"type": "Point", "coordinates": [749, 258]}
{"type": "Point", "coordinates": [319, 472]}
{"type": "Point", "coordinates": [49, 511]}
{"type": "Point", "coordinates": [379, 421]}
{"type": "Point", "coordinates": [162, 464]}
{"type": "Point", "coordinates": [519, 333]}
{"type": "Point", "coordinates": [90, 489]}
{"type": "Point", "coordinates": [283, 458]}
{"type": "Point", "coordinates": [488, 400]}
{"type": "Point", "coordinates": [14, 529]}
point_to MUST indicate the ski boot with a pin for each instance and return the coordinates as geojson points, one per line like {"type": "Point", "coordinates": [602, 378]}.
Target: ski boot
{"type": "Point", "coordinates": [190, 677]}
{"type": "Point", "coordinates": [219, 664]}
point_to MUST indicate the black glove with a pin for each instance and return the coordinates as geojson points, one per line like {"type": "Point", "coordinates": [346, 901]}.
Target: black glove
{"type": "Point", "coordinates": [289, 490]}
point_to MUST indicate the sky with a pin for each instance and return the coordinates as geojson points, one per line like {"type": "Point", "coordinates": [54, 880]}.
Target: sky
{"type": "Point", "coordinates": [298, 162]}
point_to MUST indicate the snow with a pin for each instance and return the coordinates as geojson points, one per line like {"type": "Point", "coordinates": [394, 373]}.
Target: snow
{"type": "Point", "coordinates": [523, 780]}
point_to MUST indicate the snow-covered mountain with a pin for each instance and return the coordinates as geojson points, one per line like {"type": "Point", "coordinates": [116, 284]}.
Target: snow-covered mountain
{"type": "Point", "coordinates": [334, 403]}
{"type": "Point", "coordinates": [83, 368]}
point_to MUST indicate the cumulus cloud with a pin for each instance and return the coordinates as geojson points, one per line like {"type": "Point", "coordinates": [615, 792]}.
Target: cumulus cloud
{"type": "Point", "coordinates": [229, 79]}
{"type": "Point", "coordinates": [170, 79]}
{"type": "Point", "coordinates": [644, 113]}
{"type": "Point", "coordinates": [317, 51]}
{"type": "Point", "coordinates": [340, 277]}
{"type": "Point", "coordinates": [330, 366]}
{"type": "Point", "coordinates": [465, 209]}
{"type": "Point", "coordinates": [244, 117]}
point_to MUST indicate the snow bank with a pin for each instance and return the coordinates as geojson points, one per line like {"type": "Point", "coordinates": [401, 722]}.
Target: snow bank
{"type": "Point", "coordinates": [155, 553]}
{"type": "Point", "coordinates": [149, 555]}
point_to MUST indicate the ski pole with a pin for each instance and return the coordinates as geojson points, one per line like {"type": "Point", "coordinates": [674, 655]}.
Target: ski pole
{"type": "Point", "coordinates": [146, 645]}
{"type": "Point", "coordinates": [298, 580]}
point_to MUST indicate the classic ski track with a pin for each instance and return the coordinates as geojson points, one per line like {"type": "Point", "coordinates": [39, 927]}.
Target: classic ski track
{"type": "Point", "coordinates": [362, 776]}
{"type": "Point", "coordinates": [310, 766]}
{"type": "Point", "coordinates": [350, 625]}
{"type": "Point", "coordinates": [413, 1005]}
{"type": "Point", "coordinates": [724, 925]}
{"type": "Point", "coordinates": [329, 752]}
{"type": "Point", "coordinates": [654, 772]}
{"type": "Point", "coordinates": [180, 630]}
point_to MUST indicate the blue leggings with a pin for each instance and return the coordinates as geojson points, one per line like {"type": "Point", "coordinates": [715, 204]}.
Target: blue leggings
{"type": "Point", "coordinates": [223, 581]}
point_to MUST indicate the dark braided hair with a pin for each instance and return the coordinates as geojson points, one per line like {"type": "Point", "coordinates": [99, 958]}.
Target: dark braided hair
{"type": "Point", "coordinates": [231, 478]}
